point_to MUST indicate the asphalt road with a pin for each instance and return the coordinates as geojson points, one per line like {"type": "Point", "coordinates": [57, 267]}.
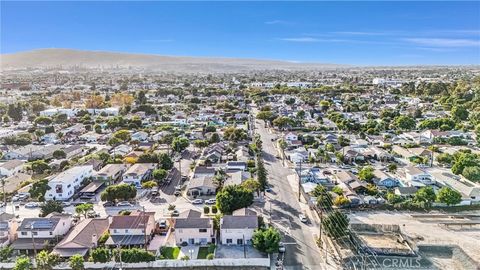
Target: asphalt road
{"type": "Point", "coordinates": [301, 250]}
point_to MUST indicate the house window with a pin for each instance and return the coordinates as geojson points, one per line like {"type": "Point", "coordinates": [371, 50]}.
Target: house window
{"type": "Point", "coordinates": [239, 241]}
{"type": "Point", "coordinates": [202, 230]}
{"type": "Point", "coordinates": [35, 233]}
{"type": "Point", "coordinates": [126, 230]}
{"type": "Point", "coordinates": [51, 233]}
{"type": "Point", "coordinates": [229, 241]}
{"type": "Point", "coordinates": [115, 230]}
{"type": "Point", "coordinates": [24, 233]}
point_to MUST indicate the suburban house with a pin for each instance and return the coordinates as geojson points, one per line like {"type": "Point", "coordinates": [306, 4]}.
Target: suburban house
{"type": "Point", "coordinates": [134, 230]}
{"type": "Point", "coordinates": [202, 185]}
{"type": "Point", "coordinates": [470, 190]}
{"type": "Point", "coordinates": [11, 167]}
{"type": "Point", "coordinates": [32, 152]}
{"type": "Point", "coordinates": [238, 228]}
{"type": "Point", "coordinates": [111, 173]}
{"type": "Point", "coordinates": [8, 229]}
{"type": "Point", "coordinates": [193, 229]}
{"type": "Point", "coordinates": [12, 183]}
{"type": "Point", "coordinates": [415, 175]}
{"type": "Point", "coordinates": [138, 173]}
{"type": "Point", "coordinates": [385, 180]}
{"type": "Point", "coordinates": [33, 233]}
{"type": "Point", "coordinates": [82, 237]}
{"type": "Point", "coordinates": [65, 184]}
{"type": "Point", "coordinates": [236, 166]}
{"type": "Point", "coordinates": [291, 137]}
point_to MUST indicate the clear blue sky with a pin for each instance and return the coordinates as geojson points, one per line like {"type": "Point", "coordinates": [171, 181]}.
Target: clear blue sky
{"type": "Point", "coordinates": [364, 33]}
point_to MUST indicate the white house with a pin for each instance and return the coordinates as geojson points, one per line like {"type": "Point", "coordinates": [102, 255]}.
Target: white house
{"type": "Point", "coordinates": [138, 173]}
{"type": "Point", "coordinates": [414, 174]}
{"type": "Point", "coordinates": [64, 185]}
{"type": "Point", "coordinates": [11, 167]}
{"type": "Point", "coordinates": [236, 166]}
{"type": "Point", "coordinates": [193, 229]}
{"type": "Point", "coordinates": [238, 228]}
{"type": "Point", "coordinates": [43, 229]}
{"type": "Point", "coordinates": [291, 137]}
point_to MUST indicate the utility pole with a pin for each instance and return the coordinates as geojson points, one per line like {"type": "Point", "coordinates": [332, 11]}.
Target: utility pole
{"type": "Point", "coordinates": [300, 180]}
{"type": "Point", "coordinates": [33, 241]}
{"type": "Point", "coordinates": [119, 257]}
{"type": "Point", "coordinates": [144, 228]}
{"type": "Point", "coordinates": [244, 247]}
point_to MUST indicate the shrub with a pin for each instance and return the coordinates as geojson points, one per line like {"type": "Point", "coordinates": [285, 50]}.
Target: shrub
{"type": "Point", "coordinates": [214, 209]}
{"type": "Point", "coordinates": [206, 210]}
{"type": "Point", "coordinates": [210, 256]}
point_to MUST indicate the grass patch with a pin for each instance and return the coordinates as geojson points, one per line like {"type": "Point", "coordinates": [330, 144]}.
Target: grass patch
{"type": "Point", "coordinates": [170, 252]}
{"type": "Point", "coordinates": [202, 253]}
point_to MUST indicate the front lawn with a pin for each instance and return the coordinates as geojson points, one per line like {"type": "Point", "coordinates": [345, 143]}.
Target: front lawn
{"type": "Point", "coordinates": [170, 252]}
{"type": "Point", "coordinates": [204, 251]}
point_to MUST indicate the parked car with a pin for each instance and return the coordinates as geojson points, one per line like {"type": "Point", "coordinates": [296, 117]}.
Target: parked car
{"type": "Point", "coordinates": [124, 204]}
{"type": "Point", "coordinates": [108, 204]}
{"type": "Point", "coordinates": [31, 205]}
{"type": "Point", "coordinates": [268, 189]}
{"type": "Point", "coordinates": [197, 201]}
{"type": "Point", "coordinates": [303, 218]}
{"type": "Point", "coordinates": [210, 201]}
{"type": "Point", "coordinates": [175, 213]}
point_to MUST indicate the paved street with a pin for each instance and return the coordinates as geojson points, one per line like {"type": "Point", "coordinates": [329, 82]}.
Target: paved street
{"type": "Point", "coordinates": [301, 250]}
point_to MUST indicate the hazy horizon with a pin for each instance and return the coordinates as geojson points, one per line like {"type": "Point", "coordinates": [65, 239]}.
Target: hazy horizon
{"type": "Point", "coordinates": [354, 33]}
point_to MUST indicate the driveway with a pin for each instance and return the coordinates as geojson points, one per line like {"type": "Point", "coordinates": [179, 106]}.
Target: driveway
{"type": "Point", "coordinates": [238, 252]}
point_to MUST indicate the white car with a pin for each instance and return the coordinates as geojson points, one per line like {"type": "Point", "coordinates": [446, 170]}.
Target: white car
{"type": "Point", "coordinates": [31, 205]}
{"type": "Point", "coordinates": [197, 201]}
{"type": "Point", "coordinates": [303, 218]}
{"type": "Point", "coordinates": [124, 203]}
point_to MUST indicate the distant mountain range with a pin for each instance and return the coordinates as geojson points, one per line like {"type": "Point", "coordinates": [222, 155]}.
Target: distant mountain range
{"type": "Point", "coordinates": [66, 58]}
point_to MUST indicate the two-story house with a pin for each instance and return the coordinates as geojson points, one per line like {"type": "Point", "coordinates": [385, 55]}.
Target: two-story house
{"type": "Point", "coordinates": [193, 229]}
{"type": "Point", "coordinates": [138, 173]}
{"type": "Point", "coordinates": [64, 185]}
{"type": "Point", "coordinates": [135, 230]}
{"type": "Point", "coordinates": [238, 228]}
{"type": "Point", "coordinates": [111, 173]}
{"type": "Point", "coordinates": [34, 233]}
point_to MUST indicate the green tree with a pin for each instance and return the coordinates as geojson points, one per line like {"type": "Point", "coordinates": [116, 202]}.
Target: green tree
{"type": "Point", "coordinates": [23, 263]}
{"type": "Point", "coordinates": [266, 240]}
{"type": "Point", "coordinates": [449, 196]}
{"type": "Point", "coordinates": [266, 116]}
{"type": "Point", "coordinates": [425, 195]}
{"type": "Point", "coordinates": [262, 175]}
{"type": "Point", "coordinates": [149, 157]}
{"type": "Point", "coordinates": [366, 174]}
{"type": "Point", "coordinates": [233, 197]}
{"type": "Point", "coordinates": [180, 143]}
{"type": "Point", "coordinates": [136, 255]}
{"type": "Point", "coordinates": [38, 189]}
{"type": "Point", "coordinates": [83, 209]}
{"type": "Point", "coordinates": [100, 255]}
{"type": "Point", "coordinates": [46, 260]}
{"type": "Point", "coordinates": [51, 207]}
{"type": "Point", "coordinates": [165, 161]}
{"type": "Point", "coordinates": [393, 198]}
{"type": "Point", "coordinates": [404, 122]}
{"type": "Point", "coordinates": [123, 135]}
{"type": "Point", "coordinates": [149, 184]}
{"type": "Point", "coordinates": [472, 173]}
{"type": "Point", "coordinates": [59, 154]}
{"type": "Point", "coordinates": [39, 166]}
{"type": "Point", "coordinates": [392, 167]}
{"type": "Point", "coordinates": [283, 122]}
{"type": "Point", "coordinates": [123, 192]}
{"type": "Point", "coordinates": [76, 262]}
{"type": "Point", "coordinates": [335, 224]}
{"type": "Point", "coordinates": [6, 253]}
{"type": "Point", "coordinates": [15, 112]}
{"type": "Point", "coordinates": [159, 175]}
{"type": "Point", "coordinates": [341, 201]}
{"type": "Point", "coordinates": [459, 112]}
